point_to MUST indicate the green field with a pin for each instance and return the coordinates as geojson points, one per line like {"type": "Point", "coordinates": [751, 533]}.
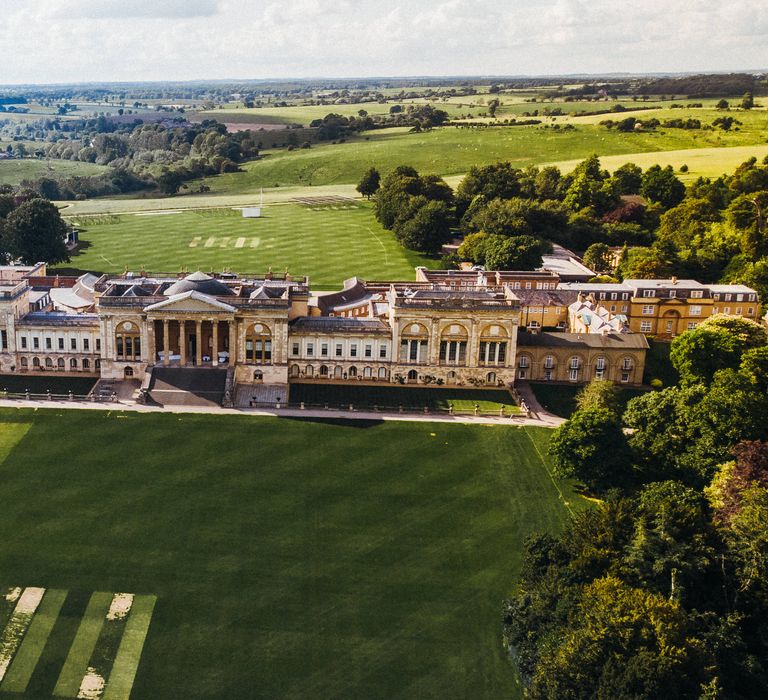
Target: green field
{"type": "Point", "coordinates": [289, 559]}
{"type": "Point", "coordinates": [462, 399]}
{"type": "Point", "coordinates": [13, 172]}
{"type": "Point", "coordinates": [328, 244]}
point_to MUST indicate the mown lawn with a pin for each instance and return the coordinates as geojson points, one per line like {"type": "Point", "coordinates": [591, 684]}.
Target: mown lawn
{"type": "Point", "coordinates": [328, 244]}
{"type": "Point", "coordinates": [12, 172]}
{"type": "Point", "coordinates": [290, 559]}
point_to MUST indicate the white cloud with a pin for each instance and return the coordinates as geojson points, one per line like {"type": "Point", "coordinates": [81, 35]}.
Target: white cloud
{"type": "Point", "coordinates": [75, 40]}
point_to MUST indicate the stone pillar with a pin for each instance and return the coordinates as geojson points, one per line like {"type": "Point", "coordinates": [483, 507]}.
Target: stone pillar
{"type": "Point", "coordinates": [150, 349]}
{"type": "Point", "coordinates": [232, 341]}
{"type": "Point", "coordinates": [166, 343]}
{"type": "Point", "coordinates": [182, 341]}
{"type": "Point", "coordinates": [215, 349]}
{"type": "Point", "coordinates": [199, 342]}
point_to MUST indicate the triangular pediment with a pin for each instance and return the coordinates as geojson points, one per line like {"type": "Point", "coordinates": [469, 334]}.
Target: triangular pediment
{"type": "Point", "coordinates": [191, 302]}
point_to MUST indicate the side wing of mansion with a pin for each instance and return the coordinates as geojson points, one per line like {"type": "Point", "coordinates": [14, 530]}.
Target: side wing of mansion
{"type": "Point", "coordinates": [474, 329]}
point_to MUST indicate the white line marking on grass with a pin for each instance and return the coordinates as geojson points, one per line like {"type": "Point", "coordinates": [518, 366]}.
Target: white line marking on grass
{"type": "Point", "coordinates": [17, 626]}
{"type": "Point", "coordinates": [159, 213]}
{"type": "Point", "coordinates": [120, 606]}
{"type": "Point", "coordinates": [383, 247]}
{"type": "Point", "coordinates": [76, 664]}
{"type": "Point", "coordinates": [255, 242]}
{"type": "Point", "coordinates": [209, 242]}
{"type": "Point", "coordinates": [31, 649]}
{"type": "Point", "coordinates": [13, 594]}
{"type": "Point", "coordinates": [240, 242]}
{"type": "Point", "coordinates": [126, 662]}
{"type": "Point", "coordinates": [195, 241]}
{"type": "Point", "coordinates": [224, 242]}
{"type": "Point", "coordinates": [92, 685]}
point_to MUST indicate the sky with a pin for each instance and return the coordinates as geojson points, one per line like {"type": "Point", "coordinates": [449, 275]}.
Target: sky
{"type": "Point", "coordinates": [59, 41]}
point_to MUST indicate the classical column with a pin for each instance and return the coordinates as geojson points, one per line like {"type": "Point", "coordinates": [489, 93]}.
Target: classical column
{"type": "Point", "coordinates": [166, 343]}
{"type": "Point", "coordinates": [182, 342]}
{"type": "Point", "coordinates": [199, 342]}
{"type": "Point", "coordinates": [232, 342]}
{"type": "Point", "coordinates": [215, 353]}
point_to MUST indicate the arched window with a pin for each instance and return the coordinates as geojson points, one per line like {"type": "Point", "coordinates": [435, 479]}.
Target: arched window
{"type": "Point", "coordinates": [128, 341]}
{"type": "Point", "coordinates": [36, 362]}
{"type": "Point", "coordinates": [490, 378]}
{"type": "Point", "coordinates": [414, 344]}
{"type": "Point", "coordinates": [97, 364]}
{"type": "Point", "coordinates": [73, 363]}
{"type": "Point", "coordinates": [87, 363]}
{"type": "Point", "coordinates": [258, 345]}
{"type": "Point", "coordinates": [352, 372]}
{"type": "Point", "coordinates": [60, 364]}
{"type": "Point", "coordinates": [294, 370]}
{"type": "Point", "coordinates": [24, 362]}
{"type": "Point", "coordinates": [413, 376]}
{"type": "Point", "coordinates": [323, 370]}
{"type": "Point", "coordinates": [382, 372]}
{"type": "Point", "coordinates": [600, 367]}
{"type": "Point", "coordinates": [337, 372]}
{"type": "Point", "coordinates": [310, 371]}
{"type": "Point", "coordinates": [451, 377]}
{"type": "Point", "coordinates": [48, 363]}
{"type": "Point", "coordinates": [574, 365]}
{"type": "Point", "coordinates": [128, 372]}
{"type": "Point", "coordinates": [453, 345]}
{"type": "Point", "coordinates": [367, 372]}
{"type": "Point", "coordinates": [493, 346]}
{"type": "Point", "coordinates": [258, 376]}
{"type": "Point", "coordinates": [549, 362]}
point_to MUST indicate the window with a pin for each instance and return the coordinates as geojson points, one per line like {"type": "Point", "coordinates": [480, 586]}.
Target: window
{"type": "Point", "coordinates": [295, 350]}
{"type": "Point", "coordinates": [626, 363]}
{"type": "Point", "coordinates": [624, 308]}
{"type": "Point", "coordinates": [600, 364]}
{"type": "Point", "coordinates": [574, 363]}
{"type": "Point", "coordinates": [48, 362]}
{"type": "Point", "coordinates": [739, 297]}
{"type": "Point", "coordinates": [86, 363]}
{"type": "Point", "coordinates": [413, 350]}
{"type": "Point", "coordinates": [453, 352]}
{"type": "Point", "coordinates": [383, 351]}
{"type": "Point", "coordinates": [339, 349]}
{"type": "Point", "coordinates": [49, 343]}
{"type": "Point", "coordinates": [524, 362]}
{"type": "Point", "coordinates": [73, 363]}
{"type": "Point", "coordinates": [310, 349]}
{"type": "Point", "coordinates": [87, 345]}
{"type": "Point", "coordinates": [60, 363]}
{"type": "Point", "coordinates": [548, 375]}
{"type": "Point", "coordinates": [549, 362]}
{"type": "Point", "coordinates": [695, 311]}
{"type": "Point", "coordinates": [258, 345]}
{"type": "Point", "coordinates": [98, 344]}
{"type": "Point", "coordinates": [36, 362]}
{"type": "Point", "coordinates": [61, 343]}
{"type": "Point", "coordinates": [750, 311]}
{"type": "Point", "coordinates": [692, 325]}
{"type": "Point", "coordinates": [738, 310]}
{"type": "Point", "coordinates": [726, 309]}
{"type": "Point", "coordinates": [73, 343]}
{"type": "Point", "coordinates": [353, 350]}
{"type": "Point", "coordinates": [36, 343]}
{"type": "Point", "coordinates": [648, 293]}
{"type": "Point", "coordinates": [382, 372]}
{"type": "Point", "coordinates": [672, 293]}
{"type": "Point", "coordinates": [23, 342]}
{"type": "Point", "coordinates": [369, 350]}
{"type": "Point", "coordinates": [534, 324]}
{"type": "Point", "coordinates": [24, 363]}
{"type": "Point", "coordinates": [352, 372]}
{"type": "Point", "coordinates": [493, 353]}
{"type": "Point", "coordinates": [614, 296]}
{"type": "Point", "coordinates": [324, 349]}
{"type": "Point", "coordinates": [697, 294]}
{"type": "Point", "coordinates": [624, 377]}
{"type": "Point", "coordinates": [323, 371]}
{"type": "Point", "coordinates": [728, 297]}
{"type": "Point", "coordinates": [648, 309]}
{"type": "Point", "coordinates": [127, 342]}
{"type": "Point", "coordinates": [645, 326]}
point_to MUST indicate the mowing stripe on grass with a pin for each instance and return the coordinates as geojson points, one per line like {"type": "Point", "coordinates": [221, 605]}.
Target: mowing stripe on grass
{"type": "Point", "coordinates": [82, 648]}
{"type": "Point", "coordinates": [126, 662]}
{"type": "Point", "coordinates": [17, 626]}
{"type": "Point", "coordinates": [28, 655]}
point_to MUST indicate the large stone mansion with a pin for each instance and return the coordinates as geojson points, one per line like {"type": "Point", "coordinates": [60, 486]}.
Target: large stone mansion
{"type": "Point", "coordinates": [446, 327]}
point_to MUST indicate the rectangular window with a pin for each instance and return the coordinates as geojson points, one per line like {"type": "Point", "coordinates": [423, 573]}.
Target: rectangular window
{"type": "Point", "coordinates": [339, 349]}
{"type": "Point", "coordinates": [98, 344]}
{"type": "Point", "coordinates": [4, 339]}
{"type": "Point", "coordinates": [324, 349]}
{"type": "Point", "coordinates": [73, 343]}
{"type": "Point", "coordinates": [648, 293]}
{"type": "Point", "coordinates": [295, 349]}
{"type": "Point", "coordinates": [738, 311]}
{"type": "Point", "coordinates": [624, 308]}
{"type": "Point", "coordinates": [692, 325]}
{"type": "Point", "coordinates": [697, 294]}
{"type": "Point", "coordinates": [750, 311]}
{"type": "Point", "coordinates": [672, 293]}
{"type": "Point", "coordinates": [120, 352]}
{"type": "Point", "coordinates": [726, 309]}
{"type": "Point", "coordinates": [648, 309]}
{"type": "Point", "coordinates": [369, 350]}
{"type": "Point", "coordinates": [61, 343]}
{"type": "Point", "coordinates": [23, 343]}
{"type": "Point", "coordinates": [624, 377]}
{"type": "Point", "coordinates": [86, 344]}
{"type": "Point", "coordinates": [382, 351]}
{"type": "Point", "coordinates": [695, 311]}
{"type": "Point", "coordinates": [645, 326]}
{"type": "Point", "coordinates": [36, 343]}
{"type": "Point", "coordinates": [310, 349]}
{"type": "Point", "coordinates": [353, 350]}
{"type": "Point", "coordinates": [49, 343]}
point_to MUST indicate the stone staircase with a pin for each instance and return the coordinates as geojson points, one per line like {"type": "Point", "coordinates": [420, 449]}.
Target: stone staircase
{"type": "Point", "coordinates": [176, 386]}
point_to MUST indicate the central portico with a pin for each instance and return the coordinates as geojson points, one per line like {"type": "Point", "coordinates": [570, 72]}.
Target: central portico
{"type": "Point", "coordinates": [192, 328]}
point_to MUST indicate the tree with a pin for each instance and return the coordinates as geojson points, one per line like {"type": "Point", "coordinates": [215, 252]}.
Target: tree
{"type": "Point", "coordinates": [370, 183]}
{"type": "Point", "coordinates": [599, 394]}
{"type": "Point", "coordinates": [749, 214]}
{"type": "Point", "coordinates": [734, 478]}
{"type": "Point", "coordinates": [170, 181]}
{"type": "Point", "coordinates": [660, 185]}
{"type": "Point", "coordinates": [748, 101]}
{"type": "Point", "coordinates": [35, 232]}
{"type": "Point", "coordinates": [628, 178]}
{"type": "Point", "coordinates": [722, 104]}
{"type": "Point", "coordinates": [494, 181]}
{"type": "Point", "coordinates": [513, 252]}
{"type": "Point", "coordinates": [427, 230]}
{"type": "Point", "coordinates": [592, 447]}
{"type": "Point", "coordinates": [598, 257]}
{"type": "Point", "coordinates": [493, 105]}
{"type": "Point", "coordinates": [645, 263]}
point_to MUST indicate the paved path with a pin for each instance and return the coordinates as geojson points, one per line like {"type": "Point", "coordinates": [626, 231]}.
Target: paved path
{"type": "Point", "coordinates": [545, 422]}
{"type": "Point", "coordinates": [537, 410]}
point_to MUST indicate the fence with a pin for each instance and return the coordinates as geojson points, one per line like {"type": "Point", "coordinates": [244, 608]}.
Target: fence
{"type": "Point", "coordinates": [503, 411]}
{"type": "Point", "coordinates": [48, 396]}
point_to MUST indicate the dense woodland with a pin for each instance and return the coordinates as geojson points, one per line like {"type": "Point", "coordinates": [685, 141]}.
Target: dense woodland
{"type": "Point", "coordinates": [713, 230]}
{"type": "Point", "coordinates": [661, 589]}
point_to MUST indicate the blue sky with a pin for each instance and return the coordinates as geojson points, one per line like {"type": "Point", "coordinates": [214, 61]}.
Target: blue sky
{"type": "Point", "coordinates": [92, 40]}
